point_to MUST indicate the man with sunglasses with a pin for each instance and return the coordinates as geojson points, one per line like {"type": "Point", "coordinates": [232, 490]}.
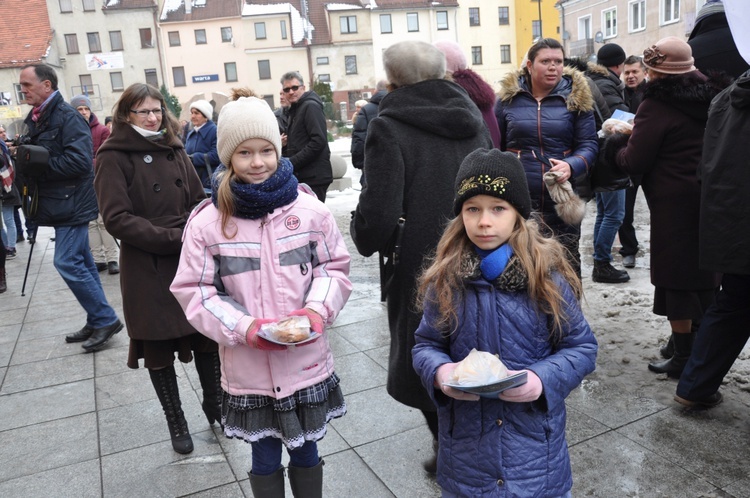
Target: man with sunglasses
{"type": "Point", "coordinates": [307, 135]}
{"type": "Point", "coordinates": [64, 187]}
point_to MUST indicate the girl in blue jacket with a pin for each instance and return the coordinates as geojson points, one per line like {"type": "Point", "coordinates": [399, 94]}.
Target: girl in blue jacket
{"type": "Point", "coordinates": [497, 285]}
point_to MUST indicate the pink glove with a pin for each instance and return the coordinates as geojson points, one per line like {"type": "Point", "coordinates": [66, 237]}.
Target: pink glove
{"type": "Point", "coordinates": [316, 321]}
{"type": "Point", "coordinates": [443, 375]}
{"type": "Point", "coordinates": [525, 393]}
{"type": "Point", "coordinates": [256, 341]}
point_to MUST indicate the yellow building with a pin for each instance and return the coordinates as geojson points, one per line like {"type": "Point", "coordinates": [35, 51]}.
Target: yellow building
{"type": "Point", "coordinates": [535, 19]}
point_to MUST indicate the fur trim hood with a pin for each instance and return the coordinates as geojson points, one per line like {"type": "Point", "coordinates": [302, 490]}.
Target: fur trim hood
{"type": "Point", "coordinates": [597, 69]}
{"type": "Point", "coordinates": [691, 93]}
{"type": "Point", "coordinates": [573, 88]}
{"type": "Point", "coordinates": [512, 279]}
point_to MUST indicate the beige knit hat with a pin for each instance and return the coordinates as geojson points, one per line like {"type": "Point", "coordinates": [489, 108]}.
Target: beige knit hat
{"type": "Point", "coordinates": [243, 119]}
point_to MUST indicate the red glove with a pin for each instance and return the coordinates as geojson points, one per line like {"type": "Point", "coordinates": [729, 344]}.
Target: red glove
{"type": "Point", "coordinates": [256, 341]}
{"type": "Point", "coordinates": [531, 391]}
{"type": "Point", "coordinates": [316, 321]}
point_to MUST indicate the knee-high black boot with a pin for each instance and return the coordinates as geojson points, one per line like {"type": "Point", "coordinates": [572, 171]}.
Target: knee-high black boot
{"type": "Point", "coordinates": [673, 367]}
{"type": "Point", "coordinates": [307, 482]}
{"type": "Point", "coordinates": [165, 383]}
{"type": "Point", "coordinates": [209, 373]}
{"type": "Point", "coordinates": [270, 486]}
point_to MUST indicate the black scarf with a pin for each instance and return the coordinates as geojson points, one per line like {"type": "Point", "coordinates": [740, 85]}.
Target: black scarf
{"type": "Point", "coordinates": [255, 200]}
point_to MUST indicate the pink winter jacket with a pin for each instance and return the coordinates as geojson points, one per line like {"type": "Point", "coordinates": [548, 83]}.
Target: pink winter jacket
{"type": "Point", "coordinates": [290, 259]}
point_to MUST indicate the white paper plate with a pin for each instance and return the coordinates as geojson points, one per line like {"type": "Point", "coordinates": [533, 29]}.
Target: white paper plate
{"type": "Point", "coordinates": [492, 390]}
{"type": "Point", "coordinates": [269, 337]}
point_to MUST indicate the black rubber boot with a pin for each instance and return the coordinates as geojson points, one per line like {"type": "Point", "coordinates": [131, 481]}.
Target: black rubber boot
{"type": "Point", "coordinates": [605, 273]}
{"type": "Point", "coordinates": [165, 384]}
{"type": "Point", "coordinates": [270, 486]}
{"type": "Point", "coordinates": [208, 366]}
{"type": "Point", "coordinates": [430, 465]}
{"type": "Point", "coordinates": [306, 482]}
{"type": "Point", "coordinates": [667, 351]}
{"type": "Point", "coordinates": [3, 281]}
{"type": "Point", "coordinates": [673, 367]}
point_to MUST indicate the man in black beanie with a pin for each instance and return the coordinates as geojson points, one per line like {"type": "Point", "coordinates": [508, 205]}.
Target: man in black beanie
{"type": "Point", "coordinates": [610, 61]}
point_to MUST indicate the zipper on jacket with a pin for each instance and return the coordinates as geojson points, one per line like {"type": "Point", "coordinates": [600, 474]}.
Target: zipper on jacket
{"type": "Point", "coordinates": [541, 149]}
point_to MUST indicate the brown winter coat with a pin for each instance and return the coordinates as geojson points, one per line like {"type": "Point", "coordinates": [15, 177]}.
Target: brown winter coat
{"type": "Point", "coordinates": [146, 191]}
{"type": "Point", "coordinates": [665, 148]}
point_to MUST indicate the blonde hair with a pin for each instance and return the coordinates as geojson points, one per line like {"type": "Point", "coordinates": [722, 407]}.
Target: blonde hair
{"type": "Point", "coordinates": [442, 283]}
{"type": "Point", "coordinates": [225, 200]}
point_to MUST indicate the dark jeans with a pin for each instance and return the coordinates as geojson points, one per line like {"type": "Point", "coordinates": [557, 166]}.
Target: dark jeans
{"type": "Point", "coordinates": [267, 456]}
{"type": "Point", "coordinates": [724, 330]}
{"type": "Point", "coordinates": [627, 231]}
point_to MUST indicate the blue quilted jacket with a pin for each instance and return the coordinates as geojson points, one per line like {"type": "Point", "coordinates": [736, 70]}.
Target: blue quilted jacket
{"type": "Point", "coordinates": [491, 447]}
{"type": "Point", "coordinates": [562, 126]}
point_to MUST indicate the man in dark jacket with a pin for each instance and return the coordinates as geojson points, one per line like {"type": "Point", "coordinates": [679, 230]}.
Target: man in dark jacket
{"type": "Point", "coordinates": [66, 197]}
{"type": "Point", "coordinates": [359, 135]}
{"type": "Point", "coordinates": [307, 135]}
{"type": "Point", "coordinates": [634, 76]}
{"type": "Point", "coordinates": [610, 206]}
{"type": "Point", "coordinates": [724, 243]}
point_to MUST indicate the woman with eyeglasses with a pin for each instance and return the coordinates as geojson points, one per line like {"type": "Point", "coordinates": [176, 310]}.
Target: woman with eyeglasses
{"type": "Point", "coordinates": [147, 186]}
{"type": "Point", "coordinates": [545, 111]}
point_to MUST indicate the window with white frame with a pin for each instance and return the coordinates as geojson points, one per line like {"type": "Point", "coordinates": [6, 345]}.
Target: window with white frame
{"type": "Point", "coordinates": [536, 29]}
{"type": "Point", "coordinates": [669, 11]}
{"type": "Point", "coordinates": [637, 17]}
{"type": "Point", "coordinates": [20, 97]}
{"type": "Point", "coordinates": [609, 22]}
{"type": "Point", "coordinates": [324, 78]}
{"type": "Point", "coordinates": [584, 28]}
{"type": "Point", "coordinates": [505, 54]}
{"type": "Point", "coordinates": [412, 21]}
{"type": "Point", "coordinates": [151, 77]}
{"type": "Point", "coordinates": [441, 17]}
{"type": "Point", "coordinates": [348, 24]}
{"type": "Point", "coordinates": [321, 61]}
{"type": "Point", "coordinates": [476, 56]}
{"type": "Point", "coordinates": [385, 24]}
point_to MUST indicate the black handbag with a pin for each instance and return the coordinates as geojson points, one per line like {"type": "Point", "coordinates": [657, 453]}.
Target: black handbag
{"type": "Point", "coordinates": [607, 176]}
{"type": "Point", "coordinates": [389, 258]}
{"type": "Point", "coordinates": [31, 160]}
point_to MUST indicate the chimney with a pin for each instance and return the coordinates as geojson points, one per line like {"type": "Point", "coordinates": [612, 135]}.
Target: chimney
{"type": "Point", "coordinates": [188, 6]}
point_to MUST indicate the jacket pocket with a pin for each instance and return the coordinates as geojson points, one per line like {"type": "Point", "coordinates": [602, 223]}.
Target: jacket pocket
{"type": "Point", "coordinates": [56, 205]}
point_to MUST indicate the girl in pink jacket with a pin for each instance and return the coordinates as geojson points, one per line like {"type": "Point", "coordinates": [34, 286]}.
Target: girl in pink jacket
{"type": "Point", "coordinates": [260, 250]}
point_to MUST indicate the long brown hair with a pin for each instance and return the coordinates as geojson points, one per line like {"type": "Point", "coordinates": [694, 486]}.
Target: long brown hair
{"type": "Point", "coordinates": [132, 98]}
{"type": "Point", "coordinates": [442, 283]}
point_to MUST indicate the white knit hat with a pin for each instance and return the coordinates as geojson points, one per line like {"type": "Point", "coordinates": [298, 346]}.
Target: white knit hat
{"type": "Point", "coordinates": [243, 119]}
{"type": "Point", "coordinates": [204, 107]}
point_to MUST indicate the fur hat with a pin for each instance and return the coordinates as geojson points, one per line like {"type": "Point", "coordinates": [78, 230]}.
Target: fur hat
{"type": "Point", "coordinates": [410, 62]}
{"type": "Point", "coordinates": [611, 54]}
{"type": "Point", "coordinates": [495, 173]}
{"type": "Point", "coordinates": [243, 119]}
{"type": "Point", "coordinates": [670, 55]}
{"type": "Point", "coordinates": [204, 107]}
{"type": "Point", "coordinates": [454, 55]}
{"type": "Point", "coordinates": [80, 100]}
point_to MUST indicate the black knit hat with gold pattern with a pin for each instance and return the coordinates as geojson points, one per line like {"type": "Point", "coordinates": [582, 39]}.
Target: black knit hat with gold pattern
{"type": "Point", "coordinates": [495, 173]}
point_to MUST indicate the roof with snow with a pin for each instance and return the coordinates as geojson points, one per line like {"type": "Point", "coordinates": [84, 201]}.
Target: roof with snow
{"type": "Point", "coordinates": [200, 10]}
{"type": "Point", "coordinates": [128, 4]}
{"type": "Point", "coordinates": [29, 42]}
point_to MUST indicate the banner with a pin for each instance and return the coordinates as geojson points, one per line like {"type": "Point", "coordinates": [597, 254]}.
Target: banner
{"type": "Point", "coordinates": [108, 60]}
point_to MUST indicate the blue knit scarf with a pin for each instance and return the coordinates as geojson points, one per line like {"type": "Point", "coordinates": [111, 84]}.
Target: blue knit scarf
{"type": "Point", "coordinates": [255, 200]}
{"type": "Point", "coordinates": [494, 262]}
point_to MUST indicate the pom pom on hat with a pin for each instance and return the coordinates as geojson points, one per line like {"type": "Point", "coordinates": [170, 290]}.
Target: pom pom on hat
{"type": "Point", "coordinates": [670, 55]}
{"type": "Point", "coordinates": [204, 107]}
{"type": "Point", "coordinates": [611, 54]}
{"type": "Point", "coordinates": [495, 173]}
{"type": "Point", "coordinates": [80, 100]}
{"type": "Point", "coordinates": [243, 119]}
